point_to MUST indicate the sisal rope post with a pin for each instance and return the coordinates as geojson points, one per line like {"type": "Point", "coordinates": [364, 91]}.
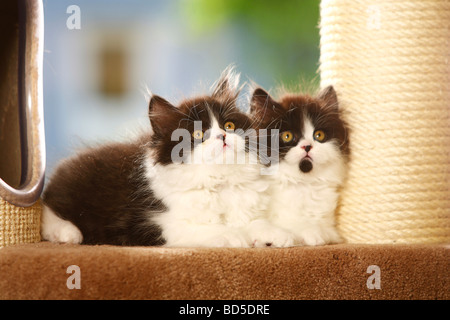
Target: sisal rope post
{"type": "Point", "coordinates": [19, 224]}
{"type": "Point", "coordinates": [389, 61]}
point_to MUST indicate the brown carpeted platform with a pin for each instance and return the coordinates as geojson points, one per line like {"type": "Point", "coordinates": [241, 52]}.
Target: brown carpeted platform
{"type": "Point", "coordinates": [39, 271]}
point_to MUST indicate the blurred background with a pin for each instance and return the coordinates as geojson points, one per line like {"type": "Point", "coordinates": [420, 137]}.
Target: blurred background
{"type": "Point", "coordinates": [95, 76]}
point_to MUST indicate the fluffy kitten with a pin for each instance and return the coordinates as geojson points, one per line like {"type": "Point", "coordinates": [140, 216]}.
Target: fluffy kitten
{"type": "Point", "coordinates": [192, 182]}
{"type": "Point", "coordinates": [313, 152]}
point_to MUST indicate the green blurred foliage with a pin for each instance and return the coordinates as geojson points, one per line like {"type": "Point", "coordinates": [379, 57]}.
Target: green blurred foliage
{"type": "Point", "coordinates": [280, 37]}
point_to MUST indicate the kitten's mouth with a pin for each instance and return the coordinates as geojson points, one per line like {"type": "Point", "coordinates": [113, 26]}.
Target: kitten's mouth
{"type": "Point", "coordinates": [306, 164]}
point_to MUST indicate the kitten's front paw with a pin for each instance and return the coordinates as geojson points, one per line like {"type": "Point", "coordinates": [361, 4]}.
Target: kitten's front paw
{"type": "Point", "coordinates": [318, 236]}
{"type": "Point", "coordinates": [231, 240]}
{"type": "Point", "coordinates": [55, 229]}
{"type": "Point", "coordinates": [63, 234]}
{"type": "Point", "coordinates": [311, 238]}
{"type": "Point", "coordinates": [273, 237]}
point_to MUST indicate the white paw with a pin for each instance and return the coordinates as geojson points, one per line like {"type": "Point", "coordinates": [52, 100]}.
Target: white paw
{"type": "Point", "coordinates": [264, 234]}
{"type": "Point", "coordinates": [318, 236]}
{"type": "Point", "coordinates": [274, 238]}
{"type": "Point", "coordinates": [69, 234]}
{"type": "Point", "coordinates": [310, 238]}
{"type": "Point", "coordinates": [55, 229]}
{"type": "Point", "coordinates": [232, 240]}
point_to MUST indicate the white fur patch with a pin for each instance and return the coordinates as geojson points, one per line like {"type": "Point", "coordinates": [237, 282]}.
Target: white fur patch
{"type": "Point", "coordinates": [55, 229]}
{"type": "Point", "coordinates": [208, 205]}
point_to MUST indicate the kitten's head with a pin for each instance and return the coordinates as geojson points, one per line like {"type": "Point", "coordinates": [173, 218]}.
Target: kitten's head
{"type": "Point", "coordinates": [312, 135]}
{"type": "Point", "coordinates": [202, 130]}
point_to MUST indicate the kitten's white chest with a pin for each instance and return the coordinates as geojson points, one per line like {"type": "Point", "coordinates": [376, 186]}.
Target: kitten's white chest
{"type": "Point", "coordinates": [303, 200]}
{"type": "Point", "coordinates": [204, 205]}
{"type": "Point", "coordinates": [294, 197]}
{"type": "Point", "coordinates": [304, 206]}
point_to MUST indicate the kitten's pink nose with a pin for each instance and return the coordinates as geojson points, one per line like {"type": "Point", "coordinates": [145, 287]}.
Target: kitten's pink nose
{"type": "Point", "coordinates": [307, 148]}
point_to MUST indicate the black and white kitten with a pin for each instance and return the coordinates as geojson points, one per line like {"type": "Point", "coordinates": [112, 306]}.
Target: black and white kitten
{"type": "Point", "coordinates": [313, 152]}
{"type": "Point", "coordinates": [193, 182]}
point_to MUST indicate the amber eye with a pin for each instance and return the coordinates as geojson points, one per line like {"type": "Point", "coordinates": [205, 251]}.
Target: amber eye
{"type": "Point", "coordinates": [229, 126]}
{"type": "Point", "coordinates": [287, 136]}
{"type": "Point", "coordinates": [319, 135]}
{"type": "Point", "coordinates": [198, 134]}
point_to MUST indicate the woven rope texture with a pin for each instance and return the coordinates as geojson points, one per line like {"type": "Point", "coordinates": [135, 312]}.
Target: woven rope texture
{"type": "Point", "coordinates": [389, 61]}
{"type": "Point", "coordinates": [19, 225]}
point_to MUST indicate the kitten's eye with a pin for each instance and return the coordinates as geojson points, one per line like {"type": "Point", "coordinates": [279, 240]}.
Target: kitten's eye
{"type": "Point", "coordinates": [229, 126]}
{"type": "Point", "coordinates": [198, 134]}
{"type": "Point", "coordinates": [287, 136]}
{"type": "Point", "coordinates": [319, 135]}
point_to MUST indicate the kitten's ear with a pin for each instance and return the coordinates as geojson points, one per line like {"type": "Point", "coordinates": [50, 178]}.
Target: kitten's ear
{"type": "Point", "coordinates": [329, 96]}
{"type": "Point", "coordinates": [161, 114]}
{"type": "Point", "coordinates": [260, 101]}
{"type": "Point", "coordinates": [263, 107]}
{"type": "Point", "coordinates": [227, 87]}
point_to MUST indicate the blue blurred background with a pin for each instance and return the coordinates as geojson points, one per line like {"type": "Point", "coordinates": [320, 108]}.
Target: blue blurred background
{"type": "Point", "coordinates": [95, 77]}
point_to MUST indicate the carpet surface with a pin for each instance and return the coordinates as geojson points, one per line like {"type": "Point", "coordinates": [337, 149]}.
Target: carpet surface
{"type": "Point", "coordinates": [347, 271]}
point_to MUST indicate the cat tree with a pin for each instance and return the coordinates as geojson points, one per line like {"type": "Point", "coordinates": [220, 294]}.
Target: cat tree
{"type": "Point", "coordinates": [389, 63]}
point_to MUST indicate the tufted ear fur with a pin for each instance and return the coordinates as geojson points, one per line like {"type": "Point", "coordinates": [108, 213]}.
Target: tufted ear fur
{"type": "Point", "coordinates": [227, 87]}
